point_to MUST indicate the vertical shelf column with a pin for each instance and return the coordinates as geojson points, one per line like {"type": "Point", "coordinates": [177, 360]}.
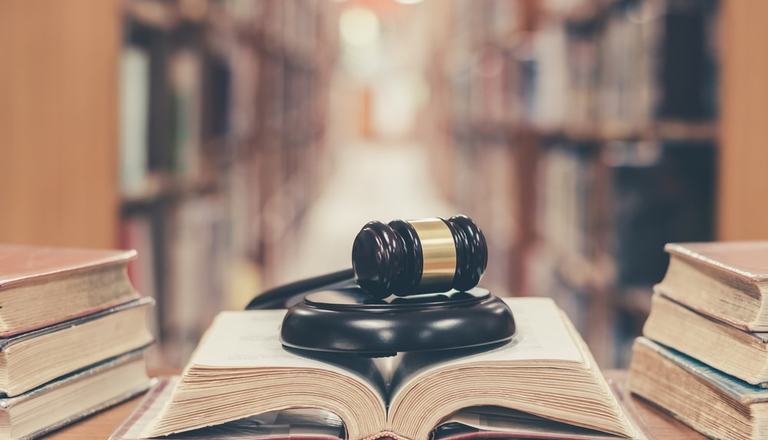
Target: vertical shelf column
{"type": "Point", "coordinates": [58, 122]}
{"type": "Point", "coordinates": [744, 132]}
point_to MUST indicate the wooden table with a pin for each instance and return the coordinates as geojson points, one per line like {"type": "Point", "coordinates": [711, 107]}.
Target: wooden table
{"type": "Point", "coordinates": [656, 424]}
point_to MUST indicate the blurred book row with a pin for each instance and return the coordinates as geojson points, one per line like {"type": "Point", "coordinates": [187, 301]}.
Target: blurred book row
{"type": "Point", "coordinates": [223, 106]}
{"type": "Point", "coordinates": [583, 136]}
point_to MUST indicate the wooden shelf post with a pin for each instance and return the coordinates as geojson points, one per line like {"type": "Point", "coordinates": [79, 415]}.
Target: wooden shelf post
{"type": "Point", "coordinates": [58, 122]}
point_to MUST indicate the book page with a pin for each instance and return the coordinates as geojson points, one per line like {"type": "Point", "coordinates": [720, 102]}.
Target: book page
{"type": "Point", "coordinates": [546, 370]}
{"type": "Point", "coordinates": [251, 339]}
{"type": "Point", "coordinates": [517, 424]}
{"type": "Point", "coordinates": [541, 335]}
{"type": "Point", "coordinates": [295, 423]}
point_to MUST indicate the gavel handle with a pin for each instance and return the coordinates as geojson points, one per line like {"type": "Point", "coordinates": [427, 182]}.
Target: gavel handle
{"type": "Point", "coordinates": [280, 297]}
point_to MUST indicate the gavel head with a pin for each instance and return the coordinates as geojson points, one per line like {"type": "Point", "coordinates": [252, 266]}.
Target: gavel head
{"type": "Point", "coordinates": [419, 256]}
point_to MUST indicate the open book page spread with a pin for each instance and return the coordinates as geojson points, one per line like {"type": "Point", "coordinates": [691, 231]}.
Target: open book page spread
{"type": "Point", "coordinates": [244, 346]}
{"type": "Point", "coordinates": [477, 422]}
{"type": "Point", "coordinates": [251, 340]}
{"type": "Point", "coordinates": [547, 370]}
{"type": "Point", "coordinates": [240, 358]}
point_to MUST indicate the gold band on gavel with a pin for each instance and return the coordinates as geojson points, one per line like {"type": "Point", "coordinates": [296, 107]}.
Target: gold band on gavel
{"type": "Point", "coordinates": [439, 252]}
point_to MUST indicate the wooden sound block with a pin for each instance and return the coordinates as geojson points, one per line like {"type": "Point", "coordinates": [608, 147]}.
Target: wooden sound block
{"type": "Point", "coordinates": [349, 321]}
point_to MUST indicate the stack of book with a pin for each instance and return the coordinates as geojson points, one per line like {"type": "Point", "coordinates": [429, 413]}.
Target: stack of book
{"type": "Point", "coordinates": [704, 353]}
{"type": "Point", "coordinates": [72, 335]}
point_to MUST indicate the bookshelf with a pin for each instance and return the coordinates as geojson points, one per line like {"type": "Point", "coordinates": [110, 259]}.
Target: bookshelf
{"type": "Point", "coordinates": [222, 149]}
{"type": "Point", "coordinates": [600, 121]}
{"type": "Point", "coordinates": [60, 131]}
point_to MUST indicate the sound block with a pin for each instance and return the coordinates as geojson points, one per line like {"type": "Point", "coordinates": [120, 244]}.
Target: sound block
{"type": "Point", "coordinates": [349, 321]}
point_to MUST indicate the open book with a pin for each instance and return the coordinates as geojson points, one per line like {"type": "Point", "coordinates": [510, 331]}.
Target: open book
{"type": "Point", "coordinates": [240, 369]}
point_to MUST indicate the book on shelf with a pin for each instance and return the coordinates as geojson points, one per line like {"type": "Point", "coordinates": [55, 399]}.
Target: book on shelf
{"type": "Point", "coordinates": [566, 190]}
{"type": "Point", "coordinates": [627, 86]}
{"type": "Point", "coordinates": [72, 397]}
{"type": "Point", "coordinates": [550, 104]}
{"type": "Point", "coordinates": [42, 286]}
{"type": "Point", "coordinates": [660, 192]}
{"type": "Point", "coordinates": [197, 247]}
{"type": "Point", "coordinates": [139, 232]}
{"type": "Point", "coordinates": [708, 400]}
{"type": "Point", "coordinates": [566, 219]}
{"type": "Point", "coordinates": [217, 97]}
{"type": "Point", "coordinates": [729, 349]}
{"type": "Point", "coordinates": [688, 60]}
{"type": "Point", "coordinates": [134, 119]}
{"type": "Point", "coordinates": [186, 72]}
{"type": "Point", "coordinates": [145, 70]}
{"type": "Point", "coordinates": [724, 280]}
{"type": "Point", "coordinates": [547, 371]}
{"type": "Point", "coordinates": [34, 358]}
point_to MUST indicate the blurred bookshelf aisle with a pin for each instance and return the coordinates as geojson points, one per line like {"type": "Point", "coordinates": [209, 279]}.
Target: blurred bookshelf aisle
{"type": "Point", "coordinates": [258, 137]}
{"type": "Point", "coordinates": [223, 146]}
{"type": "Point", "coordinates": [214, 137]}
{"type": "Point", "coordinates": [583, 135]}
{"type": "Point", "coordinates": [371, 181]}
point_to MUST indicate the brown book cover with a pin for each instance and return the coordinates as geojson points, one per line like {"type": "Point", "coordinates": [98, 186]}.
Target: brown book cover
{"type": "Point", "coordinates": [725, 280]}
{"type": "Point", "coordinates": [42, 286]}
{"type": "Point", "coordinates": [20, 264]}
{"type": "Point", "coordinates": [745, 259]}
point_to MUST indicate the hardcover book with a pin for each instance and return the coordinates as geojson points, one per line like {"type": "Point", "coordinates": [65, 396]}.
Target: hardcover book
{"type": "Point", "coordinates": [729, 349]}
{"type": "Point", "coordinates": [73, 397]}
{"type": "Point", "coordinates": [706, 399]}
{"type": "Point", "coordinates": [725, 280]}
{"type": "Point", "coordinates": [34, 358]}
{"type": "Point", "coordinates": [42, 286]}
{"type": "Point", "coordinates": [547, 372]}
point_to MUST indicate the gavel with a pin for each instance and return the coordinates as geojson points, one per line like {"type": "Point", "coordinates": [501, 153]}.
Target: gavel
{"type": "Point", "coordinates": [402, 258]}
{"type": "Point", "coordinates": [408, 279]}
{"type": "Point", "coordinates": [418, 256]}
